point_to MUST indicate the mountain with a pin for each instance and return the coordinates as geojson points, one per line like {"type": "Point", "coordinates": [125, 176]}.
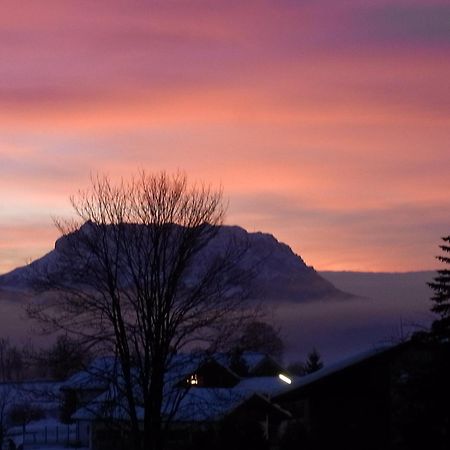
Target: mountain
{"type": "Point", "coordinates": [388, 285]}
{"type": "Point", "coordinates": [278, 273]}
{"type": "Point", "coordinates": [384, 306]}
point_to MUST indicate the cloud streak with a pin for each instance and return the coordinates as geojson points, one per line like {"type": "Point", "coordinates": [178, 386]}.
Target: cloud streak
{"type": "Point", "coordinates": [323, 121]}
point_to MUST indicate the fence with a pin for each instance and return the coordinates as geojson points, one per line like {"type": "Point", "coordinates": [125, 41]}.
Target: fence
{"type": "Point", "coordinates": [56, 434]}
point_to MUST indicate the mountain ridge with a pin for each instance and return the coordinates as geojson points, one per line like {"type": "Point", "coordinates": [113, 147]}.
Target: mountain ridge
{"type": "Point", "coordinates": [382, 307]}
{"type": "Point", "coordinates": [280, 273]}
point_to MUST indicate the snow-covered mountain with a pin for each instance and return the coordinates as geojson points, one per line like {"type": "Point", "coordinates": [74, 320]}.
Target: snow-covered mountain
{"type": "Point", "coordinates": [278, 273]}
{"type": "Point", "coordinates": [383, 308]}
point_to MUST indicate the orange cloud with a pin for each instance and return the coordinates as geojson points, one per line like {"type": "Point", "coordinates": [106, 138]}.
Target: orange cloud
{"type": "Point", "coordinates": [325, 123]}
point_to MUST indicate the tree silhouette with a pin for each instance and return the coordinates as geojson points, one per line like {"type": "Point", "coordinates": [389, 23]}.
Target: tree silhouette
{"type": "Point", "coordinates": [441, 298]}
{"type": "Point", "coordinates": [65, 357]}
{"type": "Point", "coordinates": [11, 361]}
{"type": "Point", "coordinates": [313, 362]}
{"type": "Point", "coordinates": [262, 337]}
{"type": "Point", "coordinates": [134, 279]}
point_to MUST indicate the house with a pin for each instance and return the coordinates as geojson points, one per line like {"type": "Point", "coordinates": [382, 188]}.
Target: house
{"type": "Point", "coordinates": [200, 393]}
{"type": "Point", "coordinates": [84, 386]}
{"type": "Point", "coordinates": [355, 403]}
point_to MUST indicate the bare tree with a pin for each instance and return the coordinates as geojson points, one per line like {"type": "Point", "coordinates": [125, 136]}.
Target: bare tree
{"type": "Point", "coordinates": [62, 359]}
{"type": "Point", "coordinates": [260, 336]}
{"type": "Point", "coordinates": [134, 276]}
{"type": "Point", "coordinates": [11, 361]}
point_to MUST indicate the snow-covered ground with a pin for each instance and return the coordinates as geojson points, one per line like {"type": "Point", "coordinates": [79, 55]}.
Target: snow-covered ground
{"type": "Point", "coordinates": [44, 433]}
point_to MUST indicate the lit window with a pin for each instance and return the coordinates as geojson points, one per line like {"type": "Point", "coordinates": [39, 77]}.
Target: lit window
{"type": "Point", "coordinates": [284, 378]}
{"type": "Point", "coordinates": [193, 380]}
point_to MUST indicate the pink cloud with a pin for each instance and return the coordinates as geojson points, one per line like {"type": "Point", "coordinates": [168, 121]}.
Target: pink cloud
{"type": "Point", "coordinates": [323, 104]}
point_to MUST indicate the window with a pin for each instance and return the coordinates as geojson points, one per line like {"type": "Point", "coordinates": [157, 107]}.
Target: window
{"type": "Point", "coordinates": [193, 380]}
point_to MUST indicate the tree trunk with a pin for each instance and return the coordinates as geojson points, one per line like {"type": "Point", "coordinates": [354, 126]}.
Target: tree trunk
{"type": "Point", "coordinates": [153, 436]}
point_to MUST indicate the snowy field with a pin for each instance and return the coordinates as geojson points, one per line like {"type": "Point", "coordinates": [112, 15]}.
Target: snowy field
{"type": "Point", "coordinates": [46, 433]}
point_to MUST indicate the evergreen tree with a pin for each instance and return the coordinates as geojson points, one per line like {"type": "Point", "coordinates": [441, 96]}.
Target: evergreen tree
{"type": "Point", "coordinates": [313, 362]}
{"type": "Point", "coordinates": [441, 297]}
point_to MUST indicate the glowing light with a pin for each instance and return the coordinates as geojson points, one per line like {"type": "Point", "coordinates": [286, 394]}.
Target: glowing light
{"type": "Point", "coordinates": [284, 378]}
{"type": "Point", "coordinates": [193, 380]}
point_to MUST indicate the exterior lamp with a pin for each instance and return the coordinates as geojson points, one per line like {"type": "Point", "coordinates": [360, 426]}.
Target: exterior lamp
{"type": "Point", "coordinates": [284, 378]}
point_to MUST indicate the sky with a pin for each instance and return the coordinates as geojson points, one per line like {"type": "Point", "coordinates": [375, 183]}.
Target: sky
{"type": "Point", "coordinates": [326, 123]}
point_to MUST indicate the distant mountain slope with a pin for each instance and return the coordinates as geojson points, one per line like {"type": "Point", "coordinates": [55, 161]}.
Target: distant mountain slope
{"type": "Point", "coordinates": [279, 274]}
{"type": "Point", "coordinates": [387, 285]}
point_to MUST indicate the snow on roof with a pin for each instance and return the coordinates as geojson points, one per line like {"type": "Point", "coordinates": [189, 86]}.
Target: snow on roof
{"type": "Point", "coordinates": [336, 367]}
{"type": "Point", "coordinates": [101, 410]}
{"type": "Point", "coordinates": [101, 371]}
{"type": "Point", "coordinates": [182, 365]}
{"type": "Point", "coordinates": [95, 376]}
{"type": "Point", "coordinates": [42, 394]}
{"type": "Point", "coordinates": [209, 404]}
{"type": "Point", "coordinates": [264, 385]}
{"type": "Point", "coordinates": [213, 404]}
{"type": "Point", "coordinates": [251, 359]}
{"type": "Point", "coordinates": [195, 404]}
{"type": "Point", "coordinates": [110, 404]}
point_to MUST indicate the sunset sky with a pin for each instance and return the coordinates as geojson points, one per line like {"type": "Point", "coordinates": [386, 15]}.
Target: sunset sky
{"type": "Point", "coordinates": [327, 123]}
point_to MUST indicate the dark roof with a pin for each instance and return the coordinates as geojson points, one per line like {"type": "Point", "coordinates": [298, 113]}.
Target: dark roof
{"type": "Point", "coordinates": [339, 367]}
